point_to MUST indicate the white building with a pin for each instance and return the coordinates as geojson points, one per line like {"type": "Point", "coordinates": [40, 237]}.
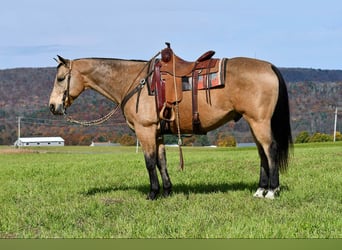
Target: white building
{"type": "Point", "coordinates": [39, 141]}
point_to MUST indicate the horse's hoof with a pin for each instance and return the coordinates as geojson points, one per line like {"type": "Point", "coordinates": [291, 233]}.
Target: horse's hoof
{"type": "Point", "coordinates": [260, 193]}
{"type": "Point", "coordinates": [167, 193]}
{"type": "Point", "coordinates": [271, 194]}
{"type": "Point", "coordinates": [152, 196]}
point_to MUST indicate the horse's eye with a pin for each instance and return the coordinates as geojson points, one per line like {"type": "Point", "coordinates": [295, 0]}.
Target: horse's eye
{"type": "Point", "coordinates": [61, 78]}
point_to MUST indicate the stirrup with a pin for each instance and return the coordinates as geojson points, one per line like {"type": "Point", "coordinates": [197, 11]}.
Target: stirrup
{"type": "Point", "coordinates": [162, 111]}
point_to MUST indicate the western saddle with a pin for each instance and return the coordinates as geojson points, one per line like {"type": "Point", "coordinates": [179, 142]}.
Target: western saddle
{"type": "Point", "coordinates": [173, 75]}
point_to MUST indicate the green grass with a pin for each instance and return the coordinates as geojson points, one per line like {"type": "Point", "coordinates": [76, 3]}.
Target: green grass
{"type": "Point", "coordinates": [99, 192]}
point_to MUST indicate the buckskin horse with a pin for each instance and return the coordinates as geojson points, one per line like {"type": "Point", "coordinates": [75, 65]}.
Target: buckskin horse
{"type": "Point", "coordinates": [252, 89]}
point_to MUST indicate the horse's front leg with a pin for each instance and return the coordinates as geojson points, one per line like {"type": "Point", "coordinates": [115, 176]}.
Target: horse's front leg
{"type": "Point", "coordinates": [148, 141]}
{"type": "Point", "coordinates": [162, 166]}
{"type": "Point", "coordinates": [151, 160]}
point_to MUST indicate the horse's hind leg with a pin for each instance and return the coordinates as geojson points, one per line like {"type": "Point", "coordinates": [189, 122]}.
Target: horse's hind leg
{"type": "Point", "coordinates": [269, 171]}
{"type": "Point", "coordinates": [274, 188]}
{"type": "Point", "coordinates": [264, 173]}
{"type": "Point", "coordinates": [162, 166]}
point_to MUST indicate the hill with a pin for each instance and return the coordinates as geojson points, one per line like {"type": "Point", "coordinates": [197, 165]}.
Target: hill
{"type": "Point", "coordinates": [25, 92]}
{"type": "Point", "coordinates": [305, 75]}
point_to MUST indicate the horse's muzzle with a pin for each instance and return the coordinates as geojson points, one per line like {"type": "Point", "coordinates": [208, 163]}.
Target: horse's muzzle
{"type": "Point", "coordinates": [57, 109]}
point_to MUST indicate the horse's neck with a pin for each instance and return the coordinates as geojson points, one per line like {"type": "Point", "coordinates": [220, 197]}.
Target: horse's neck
{"type": "Point", "coordinates": [112, 78]}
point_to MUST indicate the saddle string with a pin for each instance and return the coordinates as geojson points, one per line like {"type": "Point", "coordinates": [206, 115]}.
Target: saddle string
{"type": "Point", "coordinates": [207, 90]}
{"type": "Point", "coordinates": [181, 160]}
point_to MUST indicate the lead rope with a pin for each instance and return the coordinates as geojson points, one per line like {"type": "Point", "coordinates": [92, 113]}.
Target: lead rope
{"type": "Point", "coordinates": [94, 122]}
{"type": "Point", "coordinates": [181, 160]}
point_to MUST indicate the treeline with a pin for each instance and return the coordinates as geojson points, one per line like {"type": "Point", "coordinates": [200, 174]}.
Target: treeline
{"type": "Point", "coordinates": [310, 75]}
{"type": "Point", "coordinates": [305, 137]}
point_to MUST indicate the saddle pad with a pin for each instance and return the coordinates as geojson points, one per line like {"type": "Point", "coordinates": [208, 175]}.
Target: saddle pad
{"type": "Point", "coordinates": [208, 81]}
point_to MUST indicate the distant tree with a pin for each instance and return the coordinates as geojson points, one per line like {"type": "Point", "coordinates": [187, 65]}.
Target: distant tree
{"type": "Point", "coordinates": [225, 140]}
{"type": "Point", "coordinates": [170, 139]}
{"type": "Point", "coordinates": [127, 140]}
{"type": "Point", "coordinates": [318, 137]}
{"type": "Point", "coordinates": [102, 138]}
{"type": "Point", "coordinates": [188, 141]}
{"type": "Point", "coordinates": [338, 136]}
{"type": "Point", "coordinates": [202, 140]}
{"type": "Point", "coordinates": [303, 137]}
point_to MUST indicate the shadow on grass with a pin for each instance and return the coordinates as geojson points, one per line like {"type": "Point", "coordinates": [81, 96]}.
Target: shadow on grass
{"type": "Point", "coordinates": [196, 188]}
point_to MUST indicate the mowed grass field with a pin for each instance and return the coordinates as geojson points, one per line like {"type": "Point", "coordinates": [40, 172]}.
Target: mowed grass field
{"type": "Point", "coordinates": [99, 192]}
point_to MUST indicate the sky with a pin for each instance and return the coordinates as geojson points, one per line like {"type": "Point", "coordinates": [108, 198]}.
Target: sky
{"type": "Point", "coordinates": [292, 33]}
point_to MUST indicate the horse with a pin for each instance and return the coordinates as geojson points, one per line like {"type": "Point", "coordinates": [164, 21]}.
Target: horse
{"type": "Point", "coordinates": [253, 89]}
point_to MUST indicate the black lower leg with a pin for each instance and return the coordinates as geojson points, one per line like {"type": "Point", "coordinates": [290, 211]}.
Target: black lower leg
{"type": "Point", "coordinates": [162, 166]}
{"type": "Point", "coordinates": [167, 185]}
{"type": "Point", "coordinates": [154, 183]}
{"type": "Point", "coordinates": [264, 177]}
{"type": "Point", "coordinates": [274, 177]}
{"type": "Point", "coordinates": [274, 168]}
{"type": "Point", "coordinates": [264, 169]}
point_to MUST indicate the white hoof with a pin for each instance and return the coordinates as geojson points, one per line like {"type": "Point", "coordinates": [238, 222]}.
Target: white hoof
{"type": "Point", "coordinates": [270, 195]}
{"type": "Point", "coordinates": [260, 193]}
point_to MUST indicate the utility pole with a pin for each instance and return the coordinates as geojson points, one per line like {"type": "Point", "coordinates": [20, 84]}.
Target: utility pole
{"type": "Point", "coordinates": [18, 144]}
{"type": "Point", "coordinates": [335, 123]}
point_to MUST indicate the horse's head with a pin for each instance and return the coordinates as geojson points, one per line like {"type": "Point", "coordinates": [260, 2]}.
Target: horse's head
{"type": "Point", "coordinates": [67, 87]}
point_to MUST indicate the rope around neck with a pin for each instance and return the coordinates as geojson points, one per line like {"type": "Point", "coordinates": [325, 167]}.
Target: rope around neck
{"type": "Point", "coordinates": [93, 122]}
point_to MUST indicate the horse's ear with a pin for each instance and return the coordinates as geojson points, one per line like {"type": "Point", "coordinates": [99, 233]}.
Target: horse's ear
{"type": "Point", "coordinates": [62, 60]}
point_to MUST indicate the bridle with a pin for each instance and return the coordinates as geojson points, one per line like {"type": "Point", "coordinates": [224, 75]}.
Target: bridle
{"type": "Point", "coordinates": [67, 101]}
{"type": "Point", "coordinates": [137, 90]}
{"type": "Point", "coordinates": [66, 95]}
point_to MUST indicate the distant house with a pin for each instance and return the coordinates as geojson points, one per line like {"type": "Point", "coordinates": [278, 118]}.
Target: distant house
{"type": "Point", "coordinates": [39, 141]}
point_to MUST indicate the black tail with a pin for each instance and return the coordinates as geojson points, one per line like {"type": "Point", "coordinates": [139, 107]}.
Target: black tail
{"type": "Point", "coordinates": [280, 125]}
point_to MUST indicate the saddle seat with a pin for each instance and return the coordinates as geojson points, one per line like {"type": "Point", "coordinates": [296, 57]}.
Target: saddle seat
{"type": "Point", "coordinates": [182, 67]}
